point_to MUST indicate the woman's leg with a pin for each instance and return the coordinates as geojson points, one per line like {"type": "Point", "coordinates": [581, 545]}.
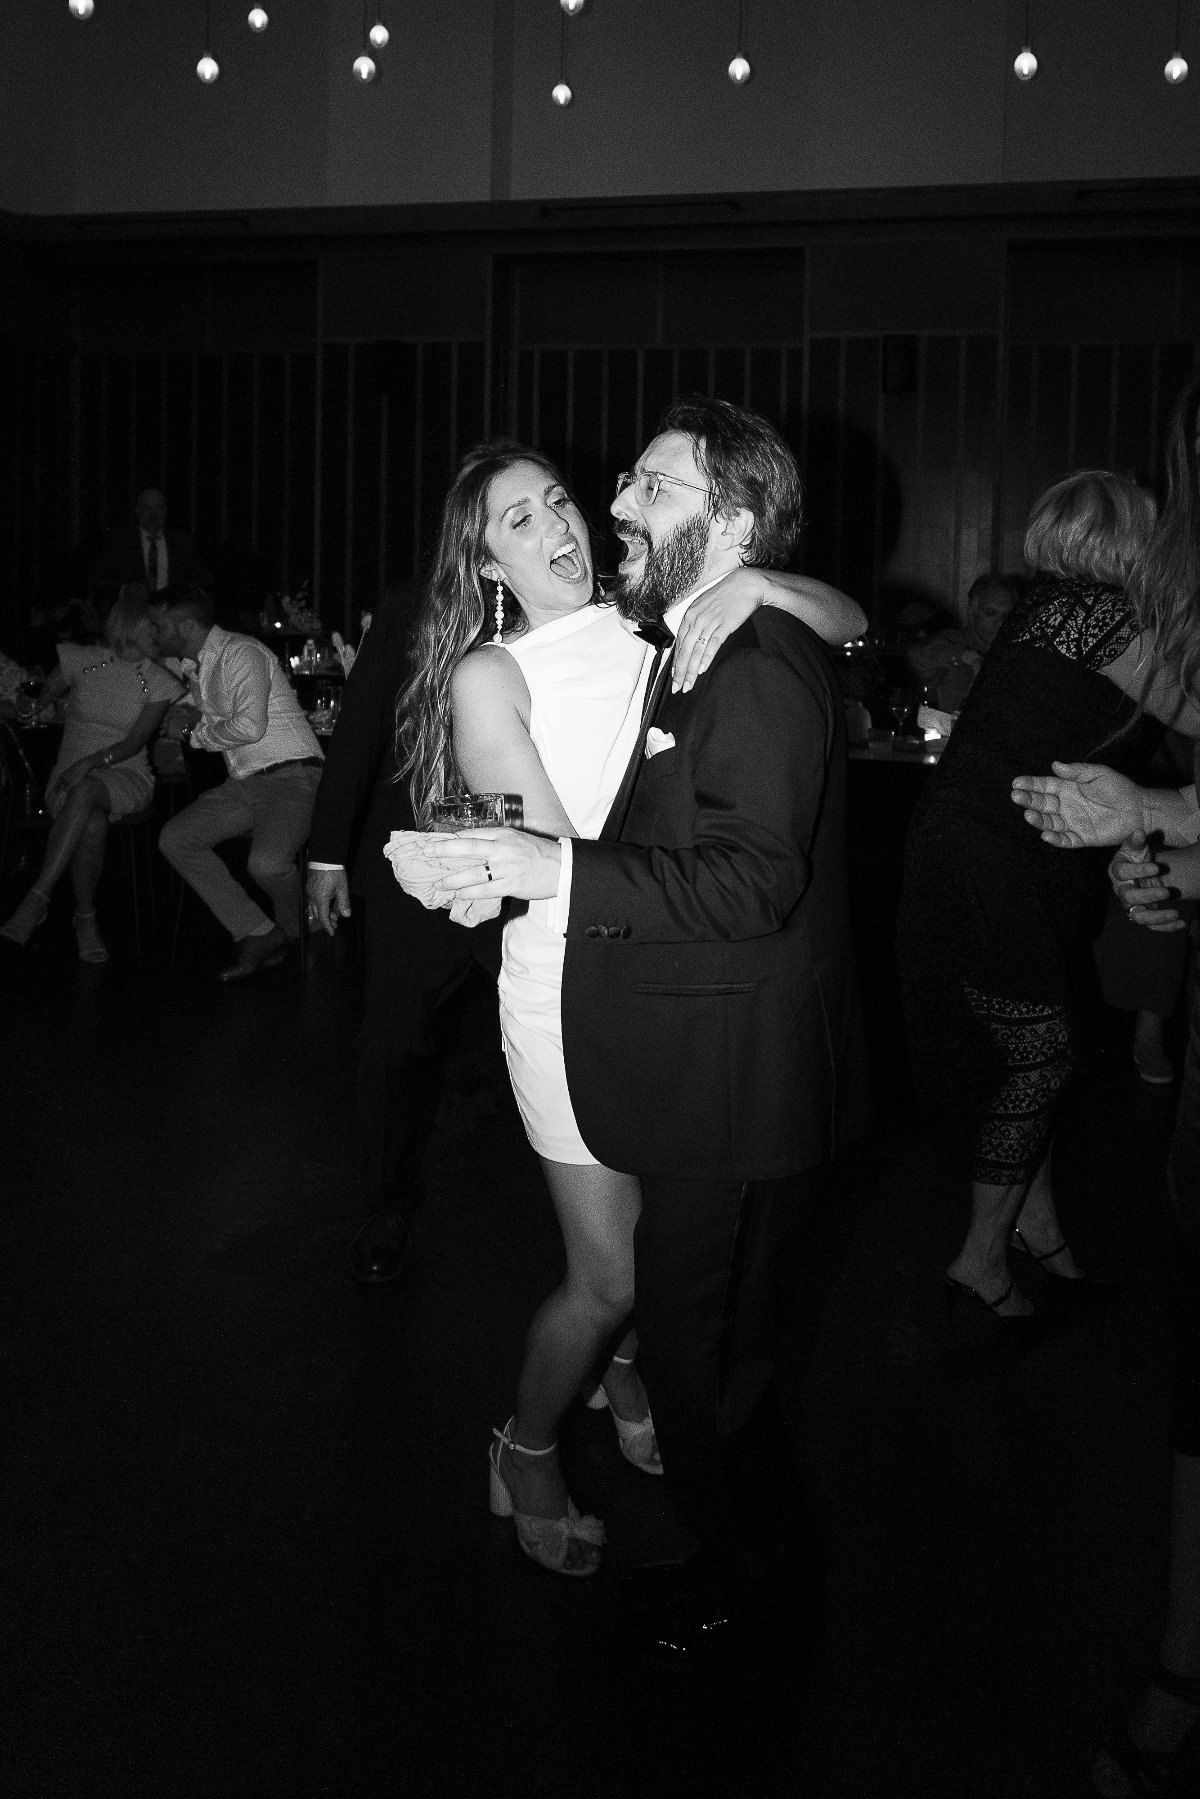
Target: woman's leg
{"type": "Point", "coordinates": [1031, 1043]}
{"type": "Point", "coordinates": [1038, 1223]}
{"type": "Point", "coordinates": [87, 865]}
{"type": "Point", "coordinates": [597, 1210]}
{"type": "Point", "coordinates": [85, 797]}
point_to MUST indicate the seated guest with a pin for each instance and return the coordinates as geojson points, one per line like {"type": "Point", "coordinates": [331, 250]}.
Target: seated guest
{"type": "Point", "coordinates": [950, 660]}
{"type": "Point", "coordinates": [146, 551]}
{"type": "Point", "coordinates": [116, 700]}
{"type": "Point", "coordinates": [11, 676]}
{"type": "Point", "coordinates": [240, 703]}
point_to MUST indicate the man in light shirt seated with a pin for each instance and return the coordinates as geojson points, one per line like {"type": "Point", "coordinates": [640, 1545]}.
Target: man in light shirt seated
{"type": "Point", "coordinates": [240, 703]}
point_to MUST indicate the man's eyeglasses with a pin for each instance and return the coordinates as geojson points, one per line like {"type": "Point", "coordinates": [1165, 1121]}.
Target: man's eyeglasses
{"type": "Point", "coordinates": [646, 482]}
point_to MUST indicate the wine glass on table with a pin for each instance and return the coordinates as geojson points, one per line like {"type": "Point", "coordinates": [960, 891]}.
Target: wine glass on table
{"type": "Point", "coordinates": [900, 706]}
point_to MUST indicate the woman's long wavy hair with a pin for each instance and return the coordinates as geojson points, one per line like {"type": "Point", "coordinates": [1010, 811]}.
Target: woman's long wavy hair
{"type": "Point", "coordinates": [1165, 587]}
{"type": "Point", "coordinates": [457, 614]}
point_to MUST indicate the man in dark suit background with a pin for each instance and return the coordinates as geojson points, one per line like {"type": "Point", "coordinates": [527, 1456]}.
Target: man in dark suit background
{"type": "Point", "coordinates": [710, 1014]}
{"type": "Point", "coordinates": [146, 552]}
{"type": "Point", "coordinates": [415, 959]}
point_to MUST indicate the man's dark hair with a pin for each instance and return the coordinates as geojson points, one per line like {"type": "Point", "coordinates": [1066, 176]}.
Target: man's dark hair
{"type": "Point", "coordinates": [747, 464]}
{"type": "Point", "coordinates": [194, 601]}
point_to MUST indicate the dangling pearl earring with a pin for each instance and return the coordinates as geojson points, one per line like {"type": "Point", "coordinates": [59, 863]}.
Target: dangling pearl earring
{"type": "Point", "coordinates": [499, 637]}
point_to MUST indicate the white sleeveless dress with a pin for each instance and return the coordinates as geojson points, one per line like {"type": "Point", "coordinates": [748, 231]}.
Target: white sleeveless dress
{"type": "Point", "coordinates": [586, 675]}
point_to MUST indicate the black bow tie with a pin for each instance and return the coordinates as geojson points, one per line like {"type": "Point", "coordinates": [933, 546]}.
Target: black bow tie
{"type": "Point", "coordinates": [654, 633]}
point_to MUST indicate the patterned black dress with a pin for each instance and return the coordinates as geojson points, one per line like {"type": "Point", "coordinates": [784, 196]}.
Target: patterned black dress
{"type": "Point", "coordinates": [990, 916]}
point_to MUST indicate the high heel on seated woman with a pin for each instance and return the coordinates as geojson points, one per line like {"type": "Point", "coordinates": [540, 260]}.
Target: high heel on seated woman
{"type": "Point", "coordinates": [544, 1540]}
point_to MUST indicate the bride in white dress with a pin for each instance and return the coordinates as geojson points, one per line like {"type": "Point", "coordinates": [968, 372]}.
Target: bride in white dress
{"type": "Point", "coordinates": [550, 708]}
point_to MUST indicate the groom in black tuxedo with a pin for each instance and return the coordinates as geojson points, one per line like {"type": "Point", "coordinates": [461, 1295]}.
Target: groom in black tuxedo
{"type": "Point", "coordinates": [710, 1014]}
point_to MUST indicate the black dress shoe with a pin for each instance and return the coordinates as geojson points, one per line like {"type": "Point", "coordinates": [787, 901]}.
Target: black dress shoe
{"type": "Point", "coordinates": [267, 951]}
{"type": "Point", "coordinates": [685, 1630]}
{"type": "Point", "coordinates": [380, 1249]}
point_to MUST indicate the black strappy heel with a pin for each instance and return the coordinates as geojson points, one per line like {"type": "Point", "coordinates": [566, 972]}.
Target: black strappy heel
{"type": "Point", "coordinates": [1083, 1283]}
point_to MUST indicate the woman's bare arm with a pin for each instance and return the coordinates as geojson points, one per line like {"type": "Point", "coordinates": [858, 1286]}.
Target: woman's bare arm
{"type": "Point", "coordinates": [489, 704]}
{"type": "Point", "coordinates": [712, 618]}
{"type": "Point", "coordinates": [1135, 673]}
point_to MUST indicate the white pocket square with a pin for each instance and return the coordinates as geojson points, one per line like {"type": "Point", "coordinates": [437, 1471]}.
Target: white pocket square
{"type": "Point", "coordinates": [657, 741]}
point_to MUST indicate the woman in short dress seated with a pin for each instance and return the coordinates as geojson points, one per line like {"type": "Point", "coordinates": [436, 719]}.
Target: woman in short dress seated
{"type": "Point", "coordinates": [116, 700]}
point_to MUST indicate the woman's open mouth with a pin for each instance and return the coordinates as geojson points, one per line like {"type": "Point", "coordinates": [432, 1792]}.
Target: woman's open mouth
{"type": "Point", "coordinates": [568, 564]}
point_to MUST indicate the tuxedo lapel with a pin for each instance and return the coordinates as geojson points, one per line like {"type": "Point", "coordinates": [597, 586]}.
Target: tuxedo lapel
{"type": "Point", "coordinates": [611, 828]}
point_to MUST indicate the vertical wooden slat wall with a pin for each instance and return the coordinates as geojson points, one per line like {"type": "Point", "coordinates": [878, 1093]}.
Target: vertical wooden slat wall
{"type": "Point", "coordinates": [293, 459]}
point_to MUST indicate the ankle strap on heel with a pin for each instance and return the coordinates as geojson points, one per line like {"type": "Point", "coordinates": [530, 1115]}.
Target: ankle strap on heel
{"type": "Point", "coordinates": [623, 1361]}
{"type": "Point", "coordinates": [508, 1442]}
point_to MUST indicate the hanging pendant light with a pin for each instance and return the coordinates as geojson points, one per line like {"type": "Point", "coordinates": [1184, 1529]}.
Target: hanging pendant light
{"type": "Point", "coordinates": [1026, 65]}
{"type": "Point", "coordinates": [257, 18]}
{"type": "Point", "coordinates": [561, 93]}
{"type": "Point", "coordinates": [208, 67]}
{"type": "Point", "coordinates": [363, 67]}
{"type": "Point", "coordinates": [1176, 69]}
{"type": "Point", "coordinates": [81, 9]}
{"type": "Point", "coordinates": [739, 70]}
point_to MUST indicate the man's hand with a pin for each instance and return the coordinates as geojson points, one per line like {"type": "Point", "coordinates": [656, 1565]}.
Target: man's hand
{"type": "Point", "coordinates": [1138, 884]}
{"type": "Point", "coordinates": [1082, 805]}
{"type": "Point", "coordinates": [491, 865]}
{"type": "Point", "coordinates": [328, 898]}
{"type": "Point", "coordinates": [181, 721]}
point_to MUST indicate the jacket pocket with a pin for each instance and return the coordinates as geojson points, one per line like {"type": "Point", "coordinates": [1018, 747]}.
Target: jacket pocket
{"type": "Point", "coordinates": [701, 990]}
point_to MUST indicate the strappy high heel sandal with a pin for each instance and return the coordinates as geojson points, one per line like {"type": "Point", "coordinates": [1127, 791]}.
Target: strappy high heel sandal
{"type": "Point", "coordinates": [88, 941]}
{"type": "Point", "coordinates": [966, 1305]}
{"type": "Point", "coordinates": [1146, 1771]}
{"type": "Point", "coordinates": [544, 1540]}
{"type": "Point", "coordinates": [1082, 1283]}
{"type": "Point", "coordinates": [635, 1436]}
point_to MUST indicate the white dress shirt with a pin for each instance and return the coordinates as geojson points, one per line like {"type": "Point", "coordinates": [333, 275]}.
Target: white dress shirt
{"type": "Point", "coordinates": [251, 713]}
{"type": "Point", "coordinates": [163, 574]}
{"type": "Point", "coordinates": [672, 618]}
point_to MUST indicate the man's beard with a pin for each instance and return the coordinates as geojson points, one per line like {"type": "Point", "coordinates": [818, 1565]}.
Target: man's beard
{"type": "Point", "coordinates": [669, 572]}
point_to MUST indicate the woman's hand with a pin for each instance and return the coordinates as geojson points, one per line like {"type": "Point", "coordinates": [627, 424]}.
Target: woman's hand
{"type": "Point", "coordinates": [1138, 884]}
{"type": "Point", "coordinates": [71, 775]}
{"type": "Point", "coordinates": [1082, 805]}
{"type": "Point", "coordinates": [712, 618]}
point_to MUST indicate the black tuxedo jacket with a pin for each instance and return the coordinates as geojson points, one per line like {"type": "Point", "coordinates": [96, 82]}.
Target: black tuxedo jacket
{"type": "Point", "coordinates": [121, 561]}
{"type": "Point", "coordinates": [710, 1014]}
{"type": "Point", "coordinates": [359, 802]}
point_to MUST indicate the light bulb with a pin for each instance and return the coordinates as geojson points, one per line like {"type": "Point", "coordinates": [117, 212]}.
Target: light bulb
{"type": "Point", "coordinates": [364, 68]}
{"type": "Point", "coordinates": [379, 34]}
{"type": "Point", "coordinates": [257, 19]}
{"type": "Point", "coordinates": [739, 70]}
{"type": "Point", "coordinates": [1025, 67]}
{"type": "Point", "coordinates": [207, 69]}
{"type": "Point", "coordinates": [561, 94]}
{"type": "Point", "coordinates": [1176, 70]}
{"type": "Point", "coordinates": [82, 9]}
{"type": "Point", "coordinates": [571, 7]}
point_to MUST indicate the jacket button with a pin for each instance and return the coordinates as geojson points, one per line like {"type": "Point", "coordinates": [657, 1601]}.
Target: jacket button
{"type": "Point", "coordinates": [626, 930]}
{"type": "Point", "coordinates": [591, 930]}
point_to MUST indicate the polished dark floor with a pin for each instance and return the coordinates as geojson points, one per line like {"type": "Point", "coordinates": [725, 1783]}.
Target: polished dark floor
{"type": "Point", "coordinates": [249, 1545]}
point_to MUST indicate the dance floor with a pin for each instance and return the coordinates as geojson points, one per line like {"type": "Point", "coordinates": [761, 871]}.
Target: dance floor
{"type": "Point", "coordinates": [249, 1543]}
